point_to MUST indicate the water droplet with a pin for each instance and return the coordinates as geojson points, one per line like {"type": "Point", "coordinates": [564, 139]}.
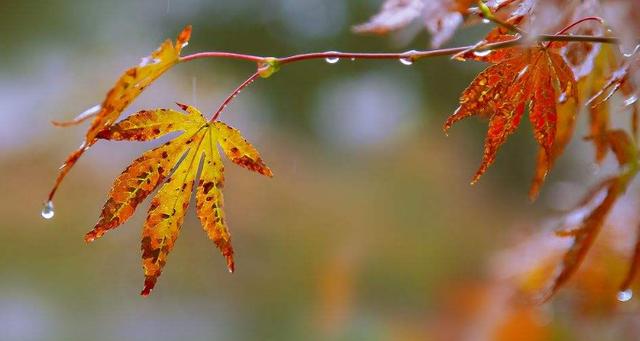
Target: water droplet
{"type": "Point", "coordinates": [523, 71]}
{"type": "Point", "coordinates": [624, 296]}
{"type": "Point", "coordinates": [562, 98]}
{"type": "Point", "coordinates": [486, 21]}
{"type": "Point", "coordinates": [352, 59]}
{"type": "Point", "coordinates": [631, 100]}
{"type": "Point", "coordinates": [482, 53]}
{"type": "Point", "coordinates": [332, 60]}
{"type": "Point", "coordinates": [407, 57]}
{"type": "Point", "coordinates": [47, 210]}
{"type": "Point", "coordinates": [406, 61]}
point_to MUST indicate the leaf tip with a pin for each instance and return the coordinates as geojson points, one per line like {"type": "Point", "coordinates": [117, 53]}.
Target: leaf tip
{"type": "Point", "coordinates": [534, 193]}
{"type": "Point", "coordinates": [231, 266]}
{"type": "Point", "coordinates": [478, 174]}
{"type": "Point", "coordinates": [90, 236]}
{"type": "Point", "coordinates": [183, 37]}
{"type": "Point", "coordinates": [267, 172]}
{"type": "Point", "coordinates": [182, 106]}
{"type": "Point", "coordinates": [145, 292]}
{"type": "Point", "coordinates": [149, 283]}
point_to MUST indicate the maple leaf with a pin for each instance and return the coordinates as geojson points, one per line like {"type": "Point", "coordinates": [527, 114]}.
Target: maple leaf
{"type": "Point", "coordinates": [594, 209]}
{"type": "Point", "coordinates": [393, 15]}
{"type": "Point", "coordinates": [441, 17]}
{"type": "Point", "coordinates": [183, 155]}
{"type": "Point", "coordinates": [127, 88]}
{"type": "Point", "coordinates": [620, 79]}
{"type": "Point", "coordinates": [537, 77]}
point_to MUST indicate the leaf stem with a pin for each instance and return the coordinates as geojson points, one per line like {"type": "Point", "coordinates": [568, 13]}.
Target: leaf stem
{"type": "Point", "coordinates": [233, 95]}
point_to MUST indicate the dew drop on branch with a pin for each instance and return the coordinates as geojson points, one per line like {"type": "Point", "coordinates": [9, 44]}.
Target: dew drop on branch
{"type": "Point", "coordinates": [486, 21]}
{"type": "Point", "coordinates": [407, 58]}
{"type": "Point", "coordinates": [332, 60]}
{"type": "Point", "coordinates": [47, 210]}
{"type": "Point", "coordinates": [624, 296]}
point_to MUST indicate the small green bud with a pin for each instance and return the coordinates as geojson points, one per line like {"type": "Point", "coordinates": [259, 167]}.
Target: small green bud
{"type": "Point", "coordinates": [486, 11]}
{"type": "Point", "coordinates": [268, 66]}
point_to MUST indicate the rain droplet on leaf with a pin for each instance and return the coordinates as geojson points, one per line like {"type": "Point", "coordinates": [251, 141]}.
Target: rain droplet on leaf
{"type": "Point", "coordinates": [482, 53]}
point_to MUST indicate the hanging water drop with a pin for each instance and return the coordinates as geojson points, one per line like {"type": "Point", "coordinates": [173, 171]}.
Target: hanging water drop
{"type": "Point", "coordinates": [408, 57]}
{"type": "Point", "coordinates": [406, 60]}
{"type": "Point", "coordinates": [482, 53]}
{"type": "Point", "coordinates": [332, 60]}
{"type": "Point", "coordinates": [47, 210]}
{"type": "Point", "coordinates": [624, 296]}
{"type": "Point", "coordinates": [486, 21]}
{"type": "Point", "coordinates": [631, 100]}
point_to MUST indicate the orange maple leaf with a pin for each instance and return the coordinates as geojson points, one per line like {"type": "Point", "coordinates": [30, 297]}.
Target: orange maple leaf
{"type": "Point", "coordinates": [174, 165]}
{"type": "Point", "coordinates": [127, 88]}
{"type": "Point", "coordinates": [537, 77]}
{"type": "Point", "coordinates": [597, 203]}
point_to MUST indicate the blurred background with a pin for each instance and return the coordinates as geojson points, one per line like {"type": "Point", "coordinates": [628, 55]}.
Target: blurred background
{"type": "Point", "coordinates": [365, 229]}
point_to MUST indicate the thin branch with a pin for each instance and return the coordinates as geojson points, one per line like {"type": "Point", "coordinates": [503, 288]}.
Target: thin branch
{"type": "Point", "coordinates": [410, 55]}
{"type": "Point", "coordinates": [227, 55]}
{"type": "Point", "coordinates": [233, 95]}
{"type": "Point", "coordinates": [414, 55]}
{"type": "Point", "coordinates": [579, 38]}
{"type": "Point", "coordinates": [574, 24]}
